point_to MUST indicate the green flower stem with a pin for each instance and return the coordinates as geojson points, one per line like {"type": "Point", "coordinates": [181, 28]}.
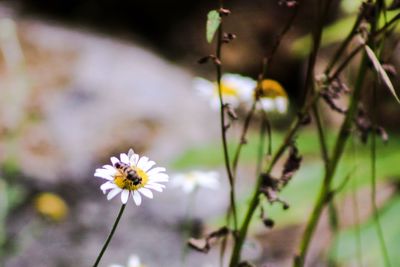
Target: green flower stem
{"type": "Point", "coordinates": [109, 236]}
{"type": "Point", "coordinates": [325, 192]}
{"type": "Point", "coordinates": [346, 42]}
{"type": "Point", "coordinates": [255, 196]}
{"type": "Point", "coordinates": [375, 208]}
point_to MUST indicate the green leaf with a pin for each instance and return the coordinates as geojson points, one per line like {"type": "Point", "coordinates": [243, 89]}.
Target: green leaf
{"type": "Point", "coordinates": [213, 22]}
{"type": "Point", "coordinates": [381, 72]}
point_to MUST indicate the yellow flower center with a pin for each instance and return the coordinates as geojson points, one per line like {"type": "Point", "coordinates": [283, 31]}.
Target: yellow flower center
{"type": "Point", "coordinates": [122, 181]}
{"type": "Point", "coordinates": [226, 90]}
{"type": "Point", "coordinates": [270, 89]}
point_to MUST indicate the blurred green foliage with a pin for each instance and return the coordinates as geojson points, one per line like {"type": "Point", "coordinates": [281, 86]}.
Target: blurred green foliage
{"type": "Point", "coordinates": [303, 189]}
{"type": "Point", "coordinates": [10, 196]}
{"type": "Point", "coordinates": [333, 33]}
{"type": "Point", "coordinates": [346, 241]}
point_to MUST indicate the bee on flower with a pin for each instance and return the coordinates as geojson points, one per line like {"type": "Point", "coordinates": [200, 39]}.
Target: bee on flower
{"type": "Point", "coordinates": [131, 175]}
{"type": "Point", "coordinates": [133, 261]}
{"type": "Point", "coordinates": [235, 89]}
{"type": "Point", "coordinates": [192, 180]}
{"type": "Point", "coordinates": [272, 96]}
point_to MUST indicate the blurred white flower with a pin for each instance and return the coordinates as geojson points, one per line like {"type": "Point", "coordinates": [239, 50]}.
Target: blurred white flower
{"type": "Point", "coordinates": [272, 96]}
{"type": "Point", "coordinates": [234, 87]}
{"type": "Point", "coordinates": [133, 261]}
{"type": "Point", "coordinates": [131, 175]}
{"type": "Point", "coordinates": [189, 181]}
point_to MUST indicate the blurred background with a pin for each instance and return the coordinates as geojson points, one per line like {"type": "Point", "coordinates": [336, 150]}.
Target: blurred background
{"type": "Point", "coordinates": [81, 81]}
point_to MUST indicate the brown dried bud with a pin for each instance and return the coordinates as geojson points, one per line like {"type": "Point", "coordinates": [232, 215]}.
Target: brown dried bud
{"type": "Point", "coordinates": [328, 97]}
{"type": "Point", "coordinates": [268, 222]}
{"type": "Point", "coordinates": [228, 37]}
{"type": "Point", "coordinates": [231, 112]}
{"type": "Point", "coordinates": [365, 127]}
{"type": "Point", "coordinates": [217, 61]}
{"type": "Point", "coordinates": [382, 133]}
{"type": "Point", "coordinates": [203, 60]}
{"type": "Point", "coordinates": [292, 164]}
{"type": "Point", "coordinates": [204, 244]}
{"type": "Point", "coordinates": [224, 12]}
{"type": "Point", "coordinates": [209, 57]}
{"type": "Point", "coordinates": [288, 3]}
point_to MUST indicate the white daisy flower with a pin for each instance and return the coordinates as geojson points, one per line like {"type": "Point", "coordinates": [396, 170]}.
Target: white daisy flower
{"type": "Point", "coordinates": [133, 261]}
{"type": "Point", "coordinates": [191, 180]}
{"type": "Point", "coordinates": [235, 89]}
{"type": "Point", "coordinates": [131, 175]}
{"type": "Point", "coordinates": [272, 96]}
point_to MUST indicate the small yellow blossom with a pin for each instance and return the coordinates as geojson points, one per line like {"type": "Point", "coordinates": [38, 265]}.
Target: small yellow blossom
{"type": "Point", "coordinates": [235, 89]}
{"type": "Point", "coordinates": [51, 206]}
{"type": "Point", "coordinates": [272, 96]}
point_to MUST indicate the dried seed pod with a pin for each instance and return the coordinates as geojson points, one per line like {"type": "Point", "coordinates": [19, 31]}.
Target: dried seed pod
{"type": "Point", "coordinates": [204, 244]}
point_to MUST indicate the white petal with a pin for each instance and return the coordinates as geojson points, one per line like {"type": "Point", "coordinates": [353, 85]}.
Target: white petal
{"type": "Point", "coordinates": [156, 187]}
{"type": "Point", "coordinates": [142, 162]}
{"type": "Point", "coordinates": [114, 160]}
{"type": "Point", "coordinates": [124, 158]}
{"type": "Point", "coordinates": [203, 86]}
{"type": "Point", "coordinates": [130, 153]}
{"type": "Point", "coordinates": [188, 187]}
{"type": "Point", "coordinates": [148, 165]}
{"type": "Point", "coordinates": [146, 192]}
{"type": "Point", "coordinates": [134, 159]}
{"type": "Point", "coordinates": [154, 183]}
{"type": "Point", "coordinates": [110, 168]}
{"type": "Point", "coordinates": [134, 261]}
{"type": "Point", "coordinates": [161, 177]}
{"type": "Point", "coordinates": [113, 193]}
{"type": "Point", "coordinates": [107, 186]}
{"type": "Point", "coordinates": [105, 171]}
{"type": "Point", "coordinates": [267, 104]}
{"type": "Point", "coordinates": [124, 196]}
{"type": "Point", "coordinates": [281, 104]}
{"type": "Point", "coordinates": [137, 198]}
{"type": "Point", "coordinates": [104, 176]}
{"type": "Point", "coordinates": [156, 170]}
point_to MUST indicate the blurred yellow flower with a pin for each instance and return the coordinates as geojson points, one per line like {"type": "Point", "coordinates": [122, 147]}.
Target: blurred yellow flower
{"type": "Point", "coordinates": [272, 96]}
{"type": "Point", "coordinates": [235, 89]}
{"type": "Point", "coordinates": [51, 206]}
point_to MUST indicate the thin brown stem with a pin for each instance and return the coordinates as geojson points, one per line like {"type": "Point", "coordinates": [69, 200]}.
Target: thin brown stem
{"type": "Point", "coordinates": [224, 128]}
{"type": "Point", "coordinates": [243, 140]}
